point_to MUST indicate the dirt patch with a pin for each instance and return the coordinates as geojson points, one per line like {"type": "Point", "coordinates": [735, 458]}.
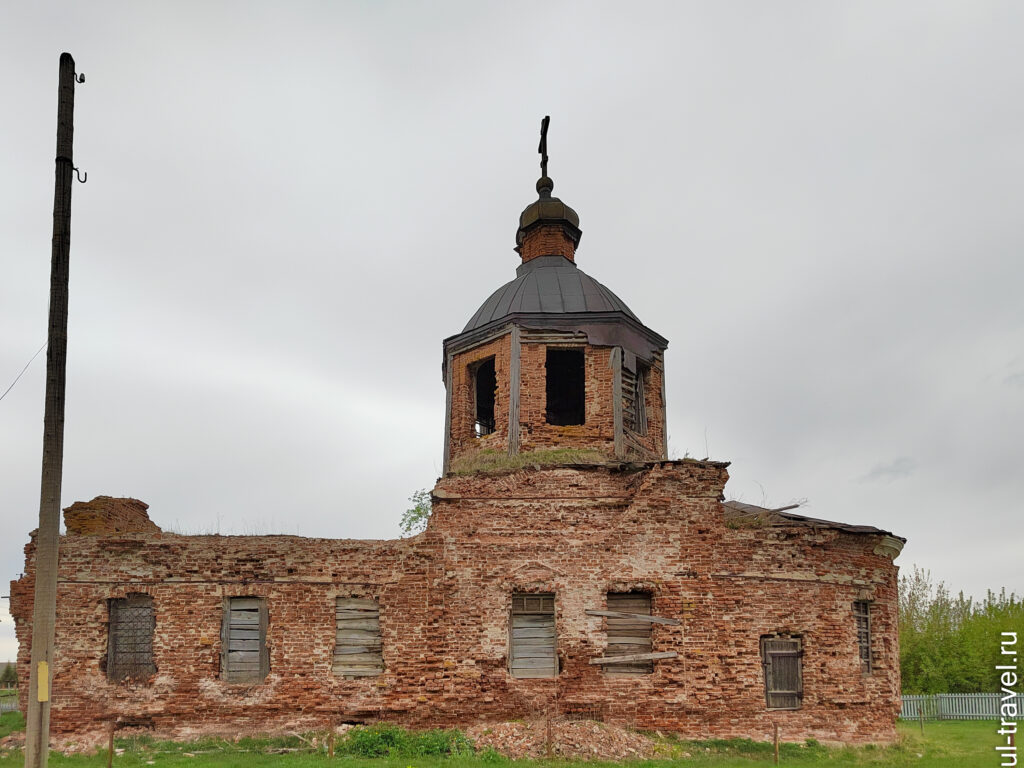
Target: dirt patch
{"type": "Point", "coordinates": [563, 738]}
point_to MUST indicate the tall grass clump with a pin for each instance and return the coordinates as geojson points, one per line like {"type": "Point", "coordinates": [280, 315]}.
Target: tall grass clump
{"type": "Point", "coordinates": [383, 740]}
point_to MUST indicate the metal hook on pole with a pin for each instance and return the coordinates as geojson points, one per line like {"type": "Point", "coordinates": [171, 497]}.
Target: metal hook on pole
{"type": "Point", "coordinates": [81, 176]}
{"type": "Point", "coordinates": [79, 78]}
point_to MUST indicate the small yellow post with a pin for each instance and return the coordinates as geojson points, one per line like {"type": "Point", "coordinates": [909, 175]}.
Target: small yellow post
{"type": "Point", "coordinates": [43, 682]}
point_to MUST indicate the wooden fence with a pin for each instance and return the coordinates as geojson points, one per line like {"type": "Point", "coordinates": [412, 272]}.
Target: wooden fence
{"type": "Point", "coordinates": [958, 706]}
{"type": "Point", "coordinates": [8, 704]}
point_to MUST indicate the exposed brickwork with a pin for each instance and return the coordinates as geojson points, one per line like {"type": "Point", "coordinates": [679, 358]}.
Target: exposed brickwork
{"type": "Point", "coordinates": [547, 240]}
{"type": "Point", "coordinates": [463, 439]}
{"type": "Point", "coordinates": [598, 431]}
{"type": "Point", "coordinates": [105, 514]}
{"type": "Point", "coordinates": [444, 600]}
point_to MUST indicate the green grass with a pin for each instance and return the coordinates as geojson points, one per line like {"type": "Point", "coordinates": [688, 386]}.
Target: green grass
{"type": "Point", "coordinates": [11, 722]}
{"type": "Point", "coordinates": [944, 745]}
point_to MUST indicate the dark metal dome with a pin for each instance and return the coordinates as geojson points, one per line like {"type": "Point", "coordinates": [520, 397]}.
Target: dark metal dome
{"type": "Point", "coordinates": [548, 285]}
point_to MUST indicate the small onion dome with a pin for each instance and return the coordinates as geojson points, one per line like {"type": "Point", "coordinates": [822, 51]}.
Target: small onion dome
{"type": "Point", "coordinates": [548, 210]}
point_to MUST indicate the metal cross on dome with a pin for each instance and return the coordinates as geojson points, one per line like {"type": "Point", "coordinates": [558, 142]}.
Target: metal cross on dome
{"type": "Point", "coordinates": [543, 148]}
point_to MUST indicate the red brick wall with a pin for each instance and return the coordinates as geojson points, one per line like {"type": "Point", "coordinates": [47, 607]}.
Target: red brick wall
{"type": "Point", "coordinates": [445, 596]}
{"type": "Point", "coordinates": [105, 514]}
{"type": "Point", "coordinates": [547, 240]}
{"type": "Point", "coordinates": [598, 431]}
{"type": "Point", "coordinates": [462, 437]}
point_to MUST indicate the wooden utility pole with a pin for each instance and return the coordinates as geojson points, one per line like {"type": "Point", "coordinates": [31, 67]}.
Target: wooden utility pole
{"type": "Point", "coordinates": [44, 609]}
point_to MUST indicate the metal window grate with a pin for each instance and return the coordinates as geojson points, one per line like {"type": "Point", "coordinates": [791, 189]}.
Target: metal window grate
{"type": "Point", "coordinates": [130, 638]}
{"type": "Point", "coordinates": [862, 616]}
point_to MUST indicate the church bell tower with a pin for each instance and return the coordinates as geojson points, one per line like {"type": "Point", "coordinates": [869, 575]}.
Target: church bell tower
{"type": "Point", "coordinates": [553, 362]}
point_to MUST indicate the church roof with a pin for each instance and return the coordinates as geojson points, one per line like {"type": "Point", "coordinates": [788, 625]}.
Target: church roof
{"type": "Point", "coordinates": [750, 514]}
{"type": "Point", "coordinates": [548, 285]}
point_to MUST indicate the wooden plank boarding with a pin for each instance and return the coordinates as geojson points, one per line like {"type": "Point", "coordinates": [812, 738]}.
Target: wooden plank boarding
{"type": "Point", "coordinates": [628, 626]}
{"type": "Point", "coordinates": [245, 657]}
{"type": "Point", "coordinates": [359, 603]}
{"type": "Point", "coordinates": [637, 616]}
{"type": "Point", "coordinates": [532, 639]}
{"type": "Point", "coordinates": [634, 658]}
{"type": "Point", "coordinates": [357, 647]}
{"type": "Point", "coordinates": [369, 625]}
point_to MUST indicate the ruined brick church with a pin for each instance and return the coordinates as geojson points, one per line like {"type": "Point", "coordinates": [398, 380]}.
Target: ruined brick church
{"type": "Point", "coordinates": [569, 568]}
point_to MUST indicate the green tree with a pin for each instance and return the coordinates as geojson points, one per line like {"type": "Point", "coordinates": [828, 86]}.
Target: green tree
{"type": "Point", "coordinates": [9, 677]}
{"type": "Point", "coordinates": [414, 520]}
{"type": "Point", "coordinates": [951, 644]}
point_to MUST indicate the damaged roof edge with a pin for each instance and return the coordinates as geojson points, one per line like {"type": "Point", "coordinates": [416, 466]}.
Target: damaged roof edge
{"type": "Point", "coordinates": [737, 510]}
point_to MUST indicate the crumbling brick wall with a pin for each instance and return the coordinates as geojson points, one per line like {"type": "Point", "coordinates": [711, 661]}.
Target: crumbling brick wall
{"type": "Point", "coordinates": [463, 440]}
{"type": "Point", "coordinates": [598, 430]}
{"type": "Point", "coordinates": [106, 514]}
{"type": "Point", "coordinates": [444, 614]}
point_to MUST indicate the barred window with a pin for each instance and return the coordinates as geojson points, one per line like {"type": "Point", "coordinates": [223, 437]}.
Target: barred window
{"type": "Point", "coordinates": [244, 654]}
{"type": "Point", "coordinates": [130, 638]}
{"type": "Point", "coordinates": [782, 657]}
{"type": "Point", "coordinates": [532, 651]}
{"type": "Point", "coordinates": [862, 617]}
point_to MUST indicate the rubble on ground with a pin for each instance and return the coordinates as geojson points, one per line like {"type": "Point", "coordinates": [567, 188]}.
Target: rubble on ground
{"type": "Point", "coordinates": [563, 738]}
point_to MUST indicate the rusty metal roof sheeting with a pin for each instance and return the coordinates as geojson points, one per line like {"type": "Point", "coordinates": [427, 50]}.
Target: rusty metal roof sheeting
{"type": "Point", "coordinates": [548, 285]}
{"type": "Point", "coordinates": [737, 511]}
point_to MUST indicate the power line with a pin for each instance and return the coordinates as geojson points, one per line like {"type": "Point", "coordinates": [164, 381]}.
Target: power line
{"type": "Point", "coordinates": [23, 371]}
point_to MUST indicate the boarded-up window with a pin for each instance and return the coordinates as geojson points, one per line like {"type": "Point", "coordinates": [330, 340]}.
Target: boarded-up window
{"type": "Point", "coordinates": [783, 676]}
{"type": "Point", "coordinates": [244, 655]}
{"type": "Point", "coordinates": [629, 636]}
{"type": "Point", "coordinates": [532, 645]}
{"type": "Point", "coordinates": [862, 616]}
{"type": "Point", "coordinates": [130, 638]}
{"type": "Point", "coordinates": [357, 649]}
{"type": "Point", "coordinates": [634, 399]}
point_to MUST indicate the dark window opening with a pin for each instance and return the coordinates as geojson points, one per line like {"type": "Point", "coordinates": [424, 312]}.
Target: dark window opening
{"type": "Point", "coordinates": [130, 638]}
{"type": "Point", "coordinates": [532, 642]}
{"type": "Point", "coordinates": [245, 657]}
{"type": "Point", "coordinates": [485, 385]}
{"type": "Point", "coordinates": [862, 616]}
{"type": "Point", "coordinates": [566, 387]}
{"type": "Point", "coordinates": [782, 658]}
{"type": "Point", "coordinates": [629, 636]}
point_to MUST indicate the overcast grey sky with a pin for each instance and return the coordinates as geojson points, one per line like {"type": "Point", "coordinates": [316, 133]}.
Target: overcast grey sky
{"type": "Point", "coordinates": [290, 205]}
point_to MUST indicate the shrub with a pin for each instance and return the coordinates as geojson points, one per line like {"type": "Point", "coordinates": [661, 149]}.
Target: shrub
{"type": "Point", "coordinates": [384, 740]}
